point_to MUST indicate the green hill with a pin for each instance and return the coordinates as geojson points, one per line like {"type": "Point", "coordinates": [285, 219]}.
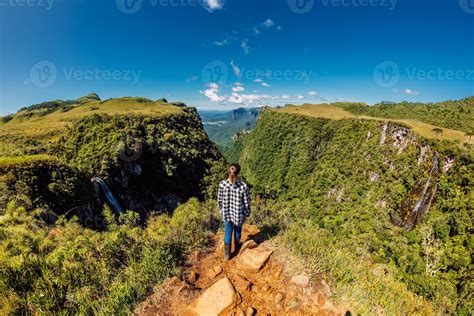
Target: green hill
{"type": "Point", "coordinates": [103, 199]}
{"type": "Point", "coordinates": [98, 202]}
{"type": "Point", "coordinates": [452, 114]}
{"type": "Point", "coordinates": [32, 129]}
{"type": "Point", "coordinates": [379, 209]}
{"type": "Point", "coordinates": [222, 126]}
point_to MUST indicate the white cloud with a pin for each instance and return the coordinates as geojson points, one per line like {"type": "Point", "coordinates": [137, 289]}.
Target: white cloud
{"type": "Point", "coordinates": [299, 96]}
{"type": "Point", "coordinates": [221, 43]}
{"type": "Point", "coordinates": [212, 93]}
{"type": "Point", "coordinates": [265, 84]}
{"type": "Point", "coordinates": [212, 5]}
{"type": "Point", "coordinates": [248, 98]}
{"type": "Point", "coordinates": [258, 80]}
{"type": "Point", "coordinates": [192, 78]}
{"type": "Point", "coordinates": [268, 23]}
{"type": "Point", "coordinates": [312, 93]}
{"type": "Point", "coordinates": [245, 46]}
{"type": "Point", "coordinates": [285, 97]}
{"type": "Point", "coordinates": [407, 91]}
{"type": "Point", "coordinates": [235, 68]}
{"type": "Point", "coordinates": [238, 88]}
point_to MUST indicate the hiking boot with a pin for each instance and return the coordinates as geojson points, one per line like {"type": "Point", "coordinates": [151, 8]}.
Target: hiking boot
{"type": "Point", "coordinates": [227, 251]}
{"type": "Point", "coordinates": [237, 246]}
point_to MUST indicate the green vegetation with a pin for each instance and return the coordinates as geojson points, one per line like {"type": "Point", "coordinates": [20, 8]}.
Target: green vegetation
{"type": "Point", "coordinates": [338, 111]}
{"type": "Point", "coordinates": [42, 181]}
{"type": "Point", "coordinates": [337, 185]}
{"type": "Point", "coordinates": [222, 126]}
{"type": "Point", "coordinates": [60, 253]}
{"type": "Point", "coordinates": [33, 130]}
{"type": "Point", "coordinates": [331, 191]}
{"type": "Point", "coordinates": [457, 114]}
{"type": "Point", "coordinates": [70, 269]}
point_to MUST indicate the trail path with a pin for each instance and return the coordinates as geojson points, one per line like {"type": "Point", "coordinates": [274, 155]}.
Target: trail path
{"type": "Point", "coordinates": [253, 282]}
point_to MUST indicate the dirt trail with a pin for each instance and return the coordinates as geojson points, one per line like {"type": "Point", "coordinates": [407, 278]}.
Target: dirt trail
{"type": "Point", "coordinates": [259, 285]}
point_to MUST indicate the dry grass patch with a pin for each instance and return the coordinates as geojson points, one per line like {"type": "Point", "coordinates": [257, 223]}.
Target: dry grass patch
{"type": "Point", "coordinates": [337, 113]}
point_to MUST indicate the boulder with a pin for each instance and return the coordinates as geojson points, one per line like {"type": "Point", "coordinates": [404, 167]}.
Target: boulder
{"type": "Point", "coordinates": [252, 260]}
{"type": "Point", "coordinates": [324, 288]}
{"type": "Point", "coordinates": [278, 298]}
{"type": "Point", "coordinates": [250, 311]}
{"type": "Point", "coordinates": [241, 283]}
{"type": "Point", "coordinates": [216, 299]}
{"type": "Point", "coordinates": [192, 277]}
{"type": "Point", "coordinates": [248, 244]}
{"type": "Point", "coordinates": [215, 272]}
{"type": "Point", "coordinates": [300, 280]}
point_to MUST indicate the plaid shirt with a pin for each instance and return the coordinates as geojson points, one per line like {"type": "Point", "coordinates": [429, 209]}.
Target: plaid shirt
{"type": "Point", "coordinates": [234, 201]}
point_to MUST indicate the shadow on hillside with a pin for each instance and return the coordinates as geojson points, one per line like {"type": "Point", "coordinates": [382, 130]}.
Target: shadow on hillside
{"type": "Point", "coordinates": [265, 233]}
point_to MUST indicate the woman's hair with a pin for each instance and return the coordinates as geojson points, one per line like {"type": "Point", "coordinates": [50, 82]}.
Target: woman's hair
{"type": "Point", "coordinates": [236, 167]}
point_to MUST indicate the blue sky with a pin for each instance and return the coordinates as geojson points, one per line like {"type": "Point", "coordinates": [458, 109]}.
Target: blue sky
{"type": "Point", "coordinates": [225, 54]}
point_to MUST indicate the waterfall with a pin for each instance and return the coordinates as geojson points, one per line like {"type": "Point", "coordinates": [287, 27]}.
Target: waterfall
{"type": "Point", "coordinates": [109, 197]}
{"type": "Point", "coordinates": [419, 200]}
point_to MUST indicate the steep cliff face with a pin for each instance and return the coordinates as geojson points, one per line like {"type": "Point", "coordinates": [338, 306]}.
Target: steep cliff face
{"type": "Point", "coordinates": [150, 163]}
{"type": "Point", "coordinates": [151, 156]}
{"type": "Point", "coordinates": [43, 182]}
{"type": "Point", "coordinates": [355, 178]}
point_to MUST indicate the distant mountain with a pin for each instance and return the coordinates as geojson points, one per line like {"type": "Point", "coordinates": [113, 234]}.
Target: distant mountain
{"type": "Point", "coordinates": [222, 125]}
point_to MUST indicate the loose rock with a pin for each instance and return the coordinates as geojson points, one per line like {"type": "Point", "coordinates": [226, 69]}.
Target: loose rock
{"type": "Point", "coordinates": [193, 277]}
{"type": "Point", "coordinates": [249, 244]}
{"type": "Point", "coordinates": [252, 260]}
{"type": "Point", "coordinates": [324, 288]}
{"type": "Point", "coordinates": [216, 299]}
{"type": "Point", "coordinates": [300, 280]}
{"type": "Point", "coordinates": [250, 311]}
{"type": "Point", "coordinates": [241, 283]}
{"type": "Point", "coordinates": [215, 272]}
{"type": "Point", "coordinates": [278, 298]}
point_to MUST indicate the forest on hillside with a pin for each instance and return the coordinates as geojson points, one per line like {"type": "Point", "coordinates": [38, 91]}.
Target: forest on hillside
{"type": "Point", "coordinates": [453, 114]}
{"type": "Point", "coordinates": [342, 199]}
{"type": "Point", "coordinates": [339, 195]}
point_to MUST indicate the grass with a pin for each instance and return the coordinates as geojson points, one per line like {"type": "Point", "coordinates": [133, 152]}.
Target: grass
{"type": "Point", "coordinates": [337, 113]}
{"type": "Point", "coordinates": [44, 124]}
{"type": "Point", "coordinates": [6, 162]}
{"type": "Point", "coordinates": [49, 127]}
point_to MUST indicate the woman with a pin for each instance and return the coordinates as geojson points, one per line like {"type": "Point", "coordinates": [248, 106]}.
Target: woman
{"type": "Point", "coordinates": [233, 198]}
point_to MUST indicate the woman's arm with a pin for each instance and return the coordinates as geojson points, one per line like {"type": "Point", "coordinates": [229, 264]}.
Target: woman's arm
{"type": "Point", "coordinates": [246, 202]}
{"type": "Point", "coordinates": [219, 196]}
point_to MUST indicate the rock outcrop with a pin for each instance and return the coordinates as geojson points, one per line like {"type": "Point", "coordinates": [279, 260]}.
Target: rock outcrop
{"type": "Point", "coordinates": [215, 300]}
{"type": "Point", "coordinates": [254, 282]}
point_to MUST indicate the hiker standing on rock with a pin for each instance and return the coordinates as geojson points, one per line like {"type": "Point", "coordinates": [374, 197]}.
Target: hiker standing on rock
{"type": "Point", "coordinates": [233, 198]}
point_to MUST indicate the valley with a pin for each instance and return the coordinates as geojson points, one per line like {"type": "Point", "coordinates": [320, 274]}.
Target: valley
{"type": "Point", "coordinates": [104, 200]}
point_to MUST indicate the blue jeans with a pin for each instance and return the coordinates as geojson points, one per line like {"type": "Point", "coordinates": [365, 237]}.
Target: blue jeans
{"type": "Point", "coordinates": [228, 228]}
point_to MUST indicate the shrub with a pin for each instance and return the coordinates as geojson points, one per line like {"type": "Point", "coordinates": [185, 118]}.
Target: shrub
{"type": "Point", "coordinates": [71, 269]}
